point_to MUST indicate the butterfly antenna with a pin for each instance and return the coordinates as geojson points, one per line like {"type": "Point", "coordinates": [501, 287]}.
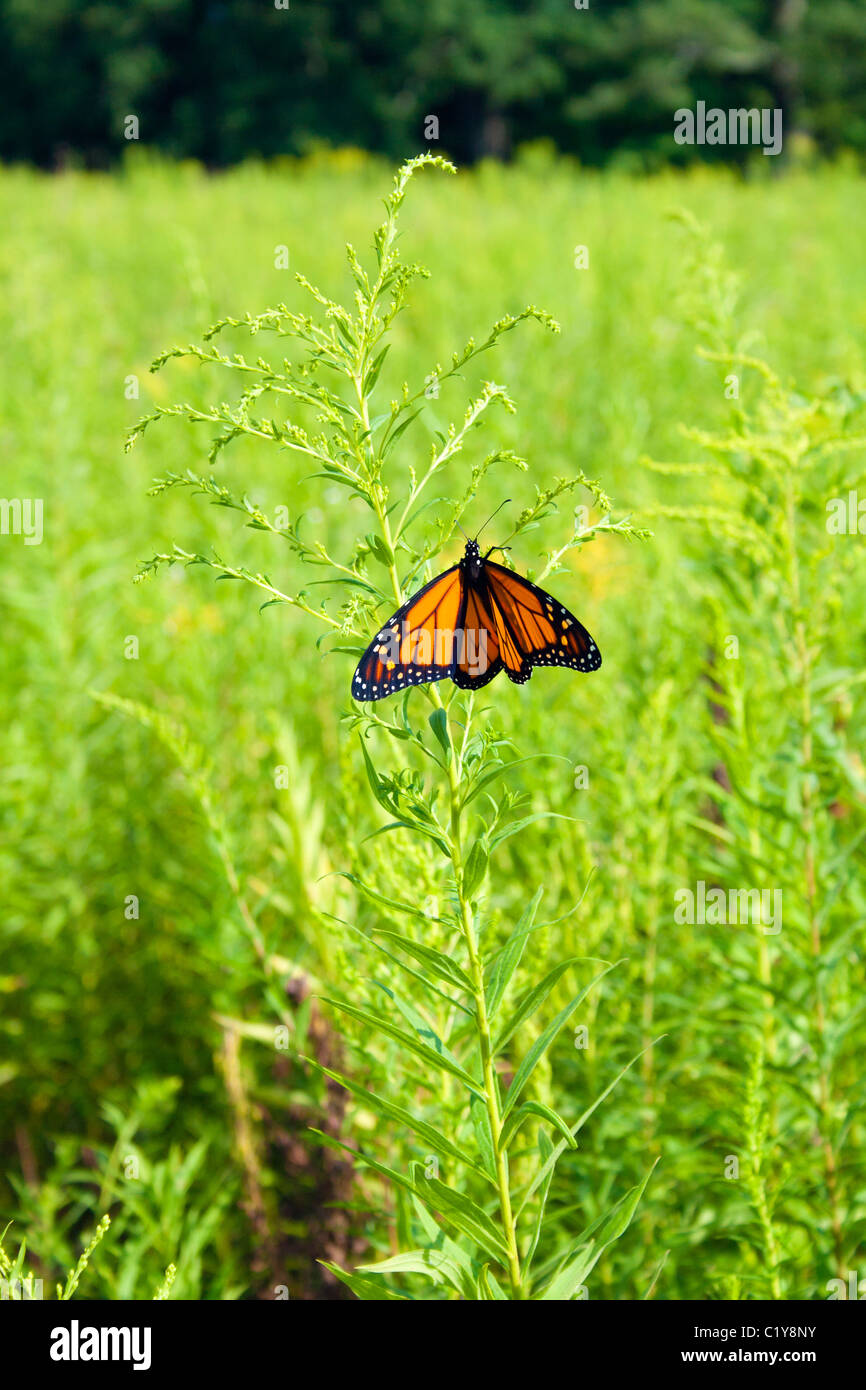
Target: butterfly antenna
{"type": "Point", "coordinates": [496, 513]}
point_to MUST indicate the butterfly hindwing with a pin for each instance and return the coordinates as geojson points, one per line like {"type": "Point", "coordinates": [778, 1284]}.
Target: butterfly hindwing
{"type": "Point", "coordinates": [479, 658]}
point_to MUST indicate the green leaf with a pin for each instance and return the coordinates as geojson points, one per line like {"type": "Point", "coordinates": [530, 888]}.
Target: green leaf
{"type": "Point", "coordinates": [622, 1213]}
{"type": "Point", "coordinates": [507, 960]}
{"type": "Point", "coordinates": [373, 374]}
{"type": "Point", "coordinates": [403, 1233]}
{"type": "Point", "coordinates": [375, 783]}
{"type": "Point", "coordinates": [545, 1149]}
{"type": "Point", "coordinates": [344, 330]}
{"type": "Point", "coordinates": [379, 549]}
{"type": "Point", "coordinates": [368, 1289]}
{"type": "Point", "coordinates": [416, 828]}
{"type": "Point", "coordinates": [549, 1164]}
{"type": "Point", "coordinates": [532, 1000]}
{"type": "Point", "coordinates": [475, 868]}
{"type": "Point", "coordinates": [440, 1240]}
{"type": "Point", "coordinates": [358, 1156]}
{"type": "Point", "coordinates": [464, 1214]}
{"type": "Point", "coordinates": [396, 433]}
{"type": "Point", "coordinates": [376, 897]}
{"type": "Point", "coordinates": [490, 776]}
{"type": "Point", "coordinates": [402, 965]}
{"type": "Point", "coordinates": [424, 1029]}
{"type": "Point", "coordinates": [564, 1284]}
{"type": "Point", "coordinates": [544, 1112]}
{"type": "Point", "coordinates": [438, 722]}
{"type": "Point", "coordinates": [489, 1289]}
{"type": "Point", "coordinates": [440, 964]}
{"type": "Point", "coordinates": [424, 1131]}
{"type": "Point", "coordinates": [542, 1043]}
{"type": "Point", "coordinates": [483, 1138]}
{"type": "Point", "coordinates": [522, 824]}
{"type": "Point", "coordinates": [407, 1040]}
{"type": "Point", "coordinates": [433, 1264]}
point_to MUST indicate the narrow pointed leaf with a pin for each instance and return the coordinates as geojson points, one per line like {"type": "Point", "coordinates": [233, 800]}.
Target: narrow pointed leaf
{"type": "Point", "coordinates": [488, 777]}
{"type": "Point", "coordinates": [373, 374]}
{"type": "Point", "coordinates": [358, 1156]}
{"type": "Point", "coordinates": [441, 965]}
{"type": "Point", "coordinates": [433, 1264]}
{"type": "Point", "coordinates": [550, 1163]}
{"type": "Point", "coordinates": [407, 1040]}
{"type": "Point", "coordinates": [545, 1148]}
{"type": "Point", "coordinates": [464, 1214]}
{"type": "Point", "coordinates": [424, 1131]}
{"type": "Point", "coordinates": [531, 1001]}
{"type": "Point", "coordinates": [376, 897]}
{"type": "Point", "coordinates": [522, 824]}
{"type": "Point", "coordinates": [441, 1241]}
{"type": "Point", "coordinates": [370, 1290]}
{"type": "Point", "coordinates": [489, 1288]}
{"type": "Point", "coordinates": [543, 1112]}
{"type": "Point", "coordinates": [424, 1029]}
{"type": "Point", "coordinates": [542, 1043]}
{"type": "Point", "coordinates": [475, 868]}
{"type": "Point", "coordinates": [396, 433]}
{"type": "Point", "coordinates": [402, 965]}
{"type": "Point", "coordinates": [483, 1138]}
{"type": "Point", "coordinates": [438, 722]}
{"type": "Point", "coordinates": [375, 783]}
{"type": "Point", "coordinates": [569, 1279]}
{"type": "Point", "coordinates": [564, 1284]}
{"type": "Point", "coordinates": [508, 959]}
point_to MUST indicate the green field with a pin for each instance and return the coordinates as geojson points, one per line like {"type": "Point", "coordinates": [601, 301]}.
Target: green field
{"type": "Point", "coordinates": [173, 898]}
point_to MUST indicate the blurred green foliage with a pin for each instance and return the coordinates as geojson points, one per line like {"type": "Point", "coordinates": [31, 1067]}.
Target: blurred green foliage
{"type": "Point", "coordinates": [141, 1071]}
{"type": "Point", "coordinates": [229, 78]}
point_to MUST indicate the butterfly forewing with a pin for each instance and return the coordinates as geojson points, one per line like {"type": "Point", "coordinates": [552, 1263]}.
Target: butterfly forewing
{"type": "Point", "coordinates": [417, 642]}
{"type": "Point", "coordinates": [544, 631]}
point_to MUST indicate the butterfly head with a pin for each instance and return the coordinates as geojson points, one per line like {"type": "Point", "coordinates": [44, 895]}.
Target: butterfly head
{"type": "Point", "coordinates": [472, 559]}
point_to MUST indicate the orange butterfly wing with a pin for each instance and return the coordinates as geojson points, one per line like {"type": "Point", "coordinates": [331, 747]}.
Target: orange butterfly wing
{"type": "Point", "coordinates": [479, 657]}
{"type": "Point", "coordinates": [417, 643]}
{"type": "Point", "coordinates": [533, 628]}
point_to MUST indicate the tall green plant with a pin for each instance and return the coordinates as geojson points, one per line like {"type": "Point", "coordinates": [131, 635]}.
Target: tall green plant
{"type": "Point", "coordinates": [785, 806]}
{"type": "Point", "coordinates": [449, 1049]}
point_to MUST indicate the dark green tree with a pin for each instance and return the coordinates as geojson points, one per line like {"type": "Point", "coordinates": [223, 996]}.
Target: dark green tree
{"type": "Point", "coordinates": [222, 79]}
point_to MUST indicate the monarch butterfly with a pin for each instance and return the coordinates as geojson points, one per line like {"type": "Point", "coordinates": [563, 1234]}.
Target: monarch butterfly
{"type": "Point", "coordinates": [471, 622]}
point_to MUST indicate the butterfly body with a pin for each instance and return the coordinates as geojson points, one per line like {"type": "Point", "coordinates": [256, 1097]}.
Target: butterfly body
{"type": "Point", "coordinates": [468, 624]}
{"type": "Point", "coordinates": [472, 563]}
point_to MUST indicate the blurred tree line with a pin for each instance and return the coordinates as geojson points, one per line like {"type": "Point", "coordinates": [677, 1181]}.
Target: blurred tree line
{"type": "Point", "coordinates": [217, 80]}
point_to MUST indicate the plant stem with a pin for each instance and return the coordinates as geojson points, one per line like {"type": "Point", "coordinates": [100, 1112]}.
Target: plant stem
{"type": "Point", "coordinates": [488, 1069]}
